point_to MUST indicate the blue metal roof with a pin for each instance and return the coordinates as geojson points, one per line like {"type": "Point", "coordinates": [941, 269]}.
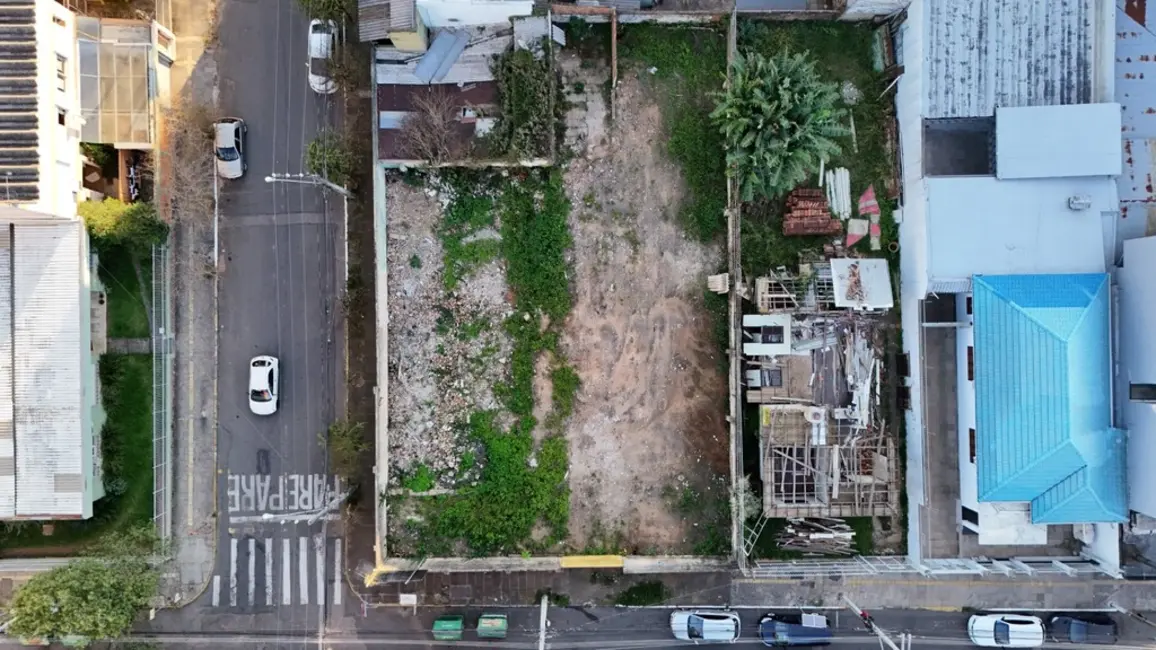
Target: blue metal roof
{"type": "Point", "coordinates": [443, 53]}
{"type": "Point", "coordinates": [1043, 402]}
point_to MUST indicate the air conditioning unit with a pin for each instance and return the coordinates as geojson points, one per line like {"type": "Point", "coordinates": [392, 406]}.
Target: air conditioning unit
{"type": "Point", "coordinates": [1079, 202]}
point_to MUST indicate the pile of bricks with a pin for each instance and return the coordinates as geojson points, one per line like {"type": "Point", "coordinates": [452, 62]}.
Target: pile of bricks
{"type": "Point", "coordinates": [808, 214]}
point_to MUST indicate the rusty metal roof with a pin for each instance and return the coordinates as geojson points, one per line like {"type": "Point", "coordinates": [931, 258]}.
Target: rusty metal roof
{"type": "Point", "coordinates": [376, 19]}
{"type": "Point", "coordinates": [1136, 93]}
{"type": "Point", "coordinates": [987, 53]}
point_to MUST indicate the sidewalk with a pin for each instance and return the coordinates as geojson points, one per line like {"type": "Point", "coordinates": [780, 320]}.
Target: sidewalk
{"type": "Point", "coordinates": [194, 300]}
{"type": "Point", "coordinates": [579, 586]}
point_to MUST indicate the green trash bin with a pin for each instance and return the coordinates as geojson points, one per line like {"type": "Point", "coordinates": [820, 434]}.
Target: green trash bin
{"type": "Point", "coordinates": [492, 626]}
{"type": "Point", "coordinates": [448, 628]}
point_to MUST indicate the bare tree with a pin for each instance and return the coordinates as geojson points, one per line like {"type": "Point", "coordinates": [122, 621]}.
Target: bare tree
{"type": "Point", "coordinates": [429, 133]}
{"type": "Point", "coordinates": [184, 167]}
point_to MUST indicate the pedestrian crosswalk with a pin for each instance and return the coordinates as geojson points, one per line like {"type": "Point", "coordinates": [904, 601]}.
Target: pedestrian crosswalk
{"type": "Point", "coordinates": [277, 571]}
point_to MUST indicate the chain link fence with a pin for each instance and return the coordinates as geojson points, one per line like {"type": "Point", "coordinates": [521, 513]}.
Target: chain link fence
{"type": "Point", "coordinates": [162, 350]}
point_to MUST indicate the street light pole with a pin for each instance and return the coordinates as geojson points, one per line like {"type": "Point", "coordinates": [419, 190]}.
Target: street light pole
{"type": "Point", "coordinates": [870, 623]}
{"type": "Point", "coordinates": [307, 179]}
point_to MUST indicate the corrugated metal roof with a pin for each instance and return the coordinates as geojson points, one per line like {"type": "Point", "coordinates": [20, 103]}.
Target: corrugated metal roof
{"type": "Point", "coordinates": [443, 53]}
{"type": "Point", "coordinates": [1136, 93]}
{"type": "Point", "coordinates": [377, 18]}
{"type": "Point", "coordinates": [7, 442]}
{"type": "Point", "coordinates": [473, 66]}
{"type": "Point", "coordinates": [1027, 146]}
{"type": "Point", "coordinates": [18, 103]}
{"type": "Point", "coordinates": [1043, 403]}
{"type": "Point", "coordinates": [47, 389]}
{"type": "Point", "coordinates": [988, 53]}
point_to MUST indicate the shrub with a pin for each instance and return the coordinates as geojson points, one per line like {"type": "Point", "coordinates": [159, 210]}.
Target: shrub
{"type": "Point", "coordinates": [112, 222]}
{"type": "Point", "coordinates": [779, 119]}
{"type": "Point", "coordinates": [329, 156]}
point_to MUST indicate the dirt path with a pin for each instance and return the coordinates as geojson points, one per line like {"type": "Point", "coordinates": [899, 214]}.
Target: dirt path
{"type": "Point", "coordinates": [648, 421]}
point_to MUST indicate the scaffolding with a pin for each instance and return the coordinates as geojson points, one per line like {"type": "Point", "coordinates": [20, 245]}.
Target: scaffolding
{"type": "Point", "coordinates": [811, 290]}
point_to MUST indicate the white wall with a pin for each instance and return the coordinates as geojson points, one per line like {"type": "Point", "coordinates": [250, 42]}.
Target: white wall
{"type": "Point", "coordinates": [1137, 364]}
{"type": "Point", "coordinates": [909, 103]}
{"type": "Point", "coordinates": [459, 13]}
{"type": "Point", "coordinates": [60, 166]}
{"type": "Point", "coordinates": [965, 411]}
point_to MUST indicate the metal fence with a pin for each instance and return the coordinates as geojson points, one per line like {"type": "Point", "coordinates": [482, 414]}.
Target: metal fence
{"type": "Point", "coordinates": [162, 350]}
{"type": "Point", "coordinates": [810, 569]}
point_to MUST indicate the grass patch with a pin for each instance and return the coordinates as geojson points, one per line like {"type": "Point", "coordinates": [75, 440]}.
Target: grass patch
{"type": "Point", "coordinates": [651, 592]}
{"type": "Point", "coordinates": [690, 66]}
{"type": "Point", "coordinates": [127, 312]}
{"type": "Point", "coordinates": [565, 382]}
{"type": "Point", "coordinates": [126, 447]}
{"type": "Point", "coordinates": [465, 216]}
{"type": "Point", "coordinates": [842, 52]}
{"type": "Point", "coordinates": [497, 514]}
{"type": "Point", "coordinates": [421, 480]}
{"type": "Point", "coordinates": [709, 507]}
{"type": "Point", "coordinates": [864, 528]}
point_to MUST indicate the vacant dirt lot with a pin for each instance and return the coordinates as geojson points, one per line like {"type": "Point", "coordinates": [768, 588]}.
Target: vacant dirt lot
{"type": "Point", "coordinates": [648, 427]}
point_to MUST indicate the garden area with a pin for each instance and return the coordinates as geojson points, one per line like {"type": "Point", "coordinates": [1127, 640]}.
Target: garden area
{"type": "Point", "coordinates": [122, 235]}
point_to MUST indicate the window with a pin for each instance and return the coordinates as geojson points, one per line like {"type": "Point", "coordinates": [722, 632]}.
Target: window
{"type": "Point", "coordinates": [61, 116]}
{"type": "Point", "coordinates": [969, 305]}
{"type": "Point", "coordinates": [959, 146]}
{"type": "Point", "coordinates": [59, 21]}
{"type": "Point", "coordinates": [1142, 392]}
{"type": "Point", "coordinates": [970, 363]}
{"type": "Point", "coordinates": [61, 73]}
{"type": "Point", "coordinates": [775, 377]}
{"type": "Point", "coordinates": [773, 334]}
{"type": "Point", "coordinates": [970, 515]}
{"type": "Point", "coordinates": [971, 444]}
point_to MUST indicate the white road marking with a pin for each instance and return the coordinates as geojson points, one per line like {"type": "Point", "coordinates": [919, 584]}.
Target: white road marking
{"type": "Point", "coordinates": [319, 554]}
{"type": "Point", "coordinates": [275, 518]}
{"type": "Point", "coordinates": [337, 571]}
{"type": "Point", "coordinates": [232, 572]}
{"type": "Point", "coordinates": [303, 568]}
{"type": "Point", "coordinates": [252, 568]}
{"type": "Point", "coordinates": [286, 577]}
{"type": "Point", "coordinates": [216, 591]}
{"type": "Point", "coordinates": [268, 572]}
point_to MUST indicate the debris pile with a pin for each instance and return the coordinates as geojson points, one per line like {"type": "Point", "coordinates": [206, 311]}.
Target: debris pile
{"type": "Point", "coordinates": [817, 536]}
{"type": "Point", "coordinates": [808, 213]}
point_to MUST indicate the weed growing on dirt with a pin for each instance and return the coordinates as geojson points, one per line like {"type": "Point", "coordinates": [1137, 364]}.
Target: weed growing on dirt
{"type": "Point", "coordinates": [466, 215]}
{"type": "Point", "coordinates": [415, 261]}
{"type": "Point", "coordinates": [517, 485]}
{"type": "Point", "coordinates": [643, 594]}
{"type": "Point", "coordinates": [565, 382]}
{"type": "Point", "coordinates": [690, 65]}
{"type": "Point", "coordinates": [346, 443]}
{"type": "Point", "coordinates": [420, 480]}
{"type": "Point", "coordinates": [527, 97]}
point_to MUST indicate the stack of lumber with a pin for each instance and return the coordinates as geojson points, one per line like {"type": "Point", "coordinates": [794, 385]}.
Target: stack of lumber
{"type": "Point", "coordinates": [817, 536]}
{"type": "Point", "coordinates": [807, 213]}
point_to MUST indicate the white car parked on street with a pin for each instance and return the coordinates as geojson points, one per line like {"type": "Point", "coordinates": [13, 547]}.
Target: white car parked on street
{"type": "Point", "coordinates": [1006, 631]}
{"type": "Point", "coordinates": [264, 376]}
{"type": "Point", "coordinates": [229, 146]}
{"type": "Point", "coordinates": [710, 626]}
{"type": "Point", "coordinates": [322, 36]}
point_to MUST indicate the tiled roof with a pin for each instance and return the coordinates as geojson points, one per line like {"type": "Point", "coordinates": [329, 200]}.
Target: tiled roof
{"type": "Point", "coordinates": [19, 159]}
{"type": "Point", "coordinates": [1043, 401]}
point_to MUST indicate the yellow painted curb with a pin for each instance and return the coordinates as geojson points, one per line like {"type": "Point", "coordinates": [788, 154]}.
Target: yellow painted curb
{"type": "Point", "coordinates": [593, 562]}
{"type": "Point", "coordinates": [378, 571]}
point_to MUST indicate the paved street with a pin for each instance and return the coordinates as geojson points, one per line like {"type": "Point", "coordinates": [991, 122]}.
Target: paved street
{"type": "Point", "coordinates": [278, 296]}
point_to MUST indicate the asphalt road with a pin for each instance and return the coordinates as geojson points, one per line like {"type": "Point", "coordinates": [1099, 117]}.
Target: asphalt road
{"type": "Point", "coordinates": [278, 296]}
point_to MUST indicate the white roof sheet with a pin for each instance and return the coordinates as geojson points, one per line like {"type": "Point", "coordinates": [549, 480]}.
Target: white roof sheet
{"type": "Point", "coordinates": [47, 387]}
{"type": "Point", "coordinates": [7, 443]}
{"type": "Point", "coordinates": [982, 225]}
{"type": "Point", "coordinates": [874, 285]}
{"type": "Point", "coordinates": [1058, 141]}
{"type": "Point", "coordinates": [472, 66]}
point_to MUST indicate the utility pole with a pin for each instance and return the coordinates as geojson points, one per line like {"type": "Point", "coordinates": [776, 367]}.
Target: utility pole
{"type": "Point", "coordinates": [872, 627]}
{"type": "Point", "coordinates": [307, 179]}
{"type": "Point", "coordinates": [543, 622]}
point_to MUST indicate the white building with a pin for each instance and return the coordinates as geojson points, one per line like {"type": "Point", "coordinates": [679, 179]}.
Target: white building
{"type": "Point", "coordinates": [1009, 209]}
{"type": "Point", "coordinates": [51, 308]}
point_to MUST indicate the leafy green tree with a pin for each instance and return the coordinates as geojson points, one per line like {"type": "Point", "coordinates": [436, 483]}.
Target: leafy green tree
{"type": "Point", "coordinates": [88, 597]}
{"type": "Point", "coordinates": [335, 10]}
{"type": "Point", "coordinates": [779, 120]}
{"type": "Point", "coordinates": [112, 222]}
{"type": "Point", "coordinates": [97, 596]}
{"type": "Point", "coordinates": [329, 156]}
